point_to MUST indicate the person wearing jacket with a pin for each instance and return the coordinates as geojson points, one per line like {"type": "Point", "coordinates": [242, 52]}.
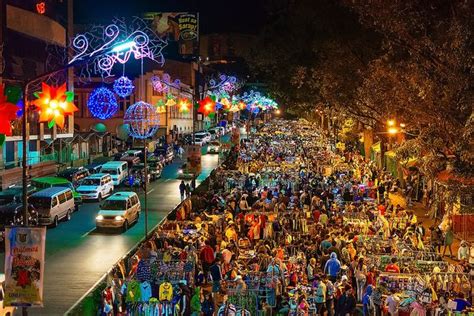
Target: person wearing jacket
{"type": "Point", "coordinates": [366, 300]}
{"type": "Point", "coordinates": [207, 306]}
{"type": "Point", "coordinates": [332, 267]}
{"type": "Point", "coordinates": [347, 302]}
{"type": "Point", "coordinates": [196, 302]}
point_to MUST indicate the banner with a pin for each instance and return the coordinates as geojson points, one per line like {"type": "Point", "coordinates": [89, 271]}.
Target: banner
{"type": "Point", "coordinates": [180, 28]}
{"type": "Point", "coordinates": [24, 266]}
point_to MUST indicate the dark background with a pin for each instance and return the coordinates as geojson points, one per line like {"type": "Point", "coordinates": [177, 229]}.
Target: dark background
{"type": "Point", "coordinates": [246, 16]}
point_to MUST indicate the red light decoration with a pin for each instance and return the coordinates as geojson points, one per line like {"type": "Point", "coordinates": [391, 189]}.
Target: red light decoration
{"type": "Point", "coordinates": [184, 105]}
{"type": "Point", "coordinates": [206, 106]}
{"type": "Point", "coordinates": [41, 7]}
{"type": "Point", "coordinates": [54, 104]}
{"type": "Point", "coordinates": [8, 113]}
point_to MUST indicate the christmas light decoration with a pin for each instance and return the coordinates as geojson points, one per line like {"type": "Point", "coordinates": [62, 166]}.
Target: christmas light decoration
{"type": "Point", "coordinates": [234, 108]}
{"type": "Point", "coordinates": [123, 87]}
{"type": "Point", "coordinates": [8, 112]}
{"type": "Point", "coordinates": [184, 105]}
{"type": "Point", "coordinates": [206, 106]}
{"type": "Point", "coordinates": [102, 103]}
{"type": "Point", "coordinates": [103, 47]}
{"type": "Point", "coordinates": [170, 101]}
{"type": "Point", "coordinates": [142, 119]}
{"type": "Point", "coordinates": [226, 103]}
{"type": "Point", "coordinates": [160, 107]}
{"type": "Point", "coordinates": [54, 104]}
{"type": "Point", "coordinates": [164, 84]}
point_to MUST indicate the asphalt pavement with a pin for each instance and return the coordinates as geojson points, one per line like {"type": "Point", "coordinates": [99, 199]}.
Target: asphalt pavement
{"type": "Point", "coordinates": [77, 255]}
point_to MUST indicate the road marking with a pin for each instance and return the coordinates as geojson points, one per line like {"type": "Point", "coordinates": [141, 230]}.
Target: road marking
{"type": "Point", "coordinates": [150, 191]}
{"type": "Point", "coordinates": [90, 231]}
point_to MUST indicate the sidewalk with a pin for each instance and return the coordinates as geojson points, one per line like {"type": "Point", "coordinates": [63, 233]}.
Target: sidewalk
{"type": "Point", "coordinates": [420, 211]}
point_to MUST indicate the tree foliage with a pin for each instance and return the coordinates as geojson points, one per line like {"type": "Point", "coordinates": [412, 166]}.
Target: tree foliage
{"type": "Point", "coordinates": [375, 60]}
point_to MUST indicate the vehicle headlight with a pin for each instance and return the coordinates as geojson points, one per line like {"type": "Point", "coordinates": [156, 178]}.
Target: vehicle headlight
{"type": "Point", "coordinates": [99, 217]}
{"type": "Point", "coordinates": [119, 218]}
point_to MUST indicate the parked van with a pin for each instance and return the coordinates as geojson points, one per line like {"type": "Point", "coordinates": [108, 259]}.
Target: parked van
{"type": "Point", "coordinates": [96, 186]}
{"type": "Point", "coordinates": [49, 182]}
{"type": "Point", "coordinates": [53, 205]}
{"type": "Point", "coordinates": [119, 211]}
{"type": "Point", "coordinates": [118, 170]}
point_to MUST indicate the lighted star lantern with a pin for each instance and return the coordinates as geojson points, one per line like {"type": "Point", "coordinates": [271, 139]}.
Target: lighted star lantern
{"type": "Point", "coordinates": [160, 107]}
{"type": "Point", "coordinates": [54, 104]}
{"type": "Point", "coordinates": [206, 106]}
{"type": "Point", "coordinates": [8, 113]}
{"type": "Point", "coordinates": [184, 105]}
{"type": "Point", "coordinates": [170, 100]}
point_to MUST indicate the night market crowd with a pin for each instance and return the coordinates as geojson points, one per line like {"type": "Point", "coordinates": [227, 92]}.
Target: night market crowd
{"type": "Point", "coordinates": [289, 225]}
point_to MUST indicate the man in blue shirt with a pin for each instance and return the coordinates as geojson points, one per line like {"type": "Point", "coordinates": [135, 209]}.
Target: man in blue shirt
{"type": "Point", "coordinates": [332, 267]}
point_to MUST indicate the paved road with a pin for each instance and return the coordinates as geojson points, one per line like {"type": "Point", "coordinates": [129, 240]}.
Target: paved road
{"type": "Point", "coordinates": [77, 256]}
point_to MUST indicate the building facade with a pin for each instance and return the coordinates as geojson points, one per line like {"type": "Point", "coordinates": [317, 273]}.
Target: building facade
{"type": "Point", "coordinates": [33, 37]}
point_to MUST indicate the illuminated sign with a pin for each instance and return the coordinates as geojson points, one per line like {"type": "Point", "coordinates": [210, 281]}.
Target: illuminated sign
{"type": "Point", "coordinates": [41, 7]}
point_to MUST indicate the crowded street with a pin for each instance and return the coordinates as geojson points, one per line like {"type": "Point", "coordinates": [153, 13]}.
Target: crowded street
{"type": "Point", "coordinates": [289, 225]}
{"type": "Point", "coordinates": [236, 158]}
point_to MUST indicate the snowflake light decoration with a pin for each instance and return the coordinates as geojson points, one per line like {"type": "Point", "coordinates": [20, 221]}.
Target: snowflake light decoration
{"type": "Point", "coordinates": [142, 119]}
{"type": "Point", "coordinates": [123, 87]}
{"type": "Point", "coordinates": [103, 47]}
{"type": "Point", "coordinates": [102, 103]}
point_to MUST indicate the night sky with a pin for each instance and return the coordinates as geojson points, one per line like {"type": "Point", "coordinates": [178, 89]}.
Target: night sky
{"type": "Point", "coordinates": [245, 16]}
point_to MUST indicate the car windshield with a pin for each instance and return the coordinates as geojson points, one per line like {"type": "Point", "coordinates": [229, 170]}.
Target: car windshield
{"type": "Point", "coordinates": [91, 182]}
{"type": "Point", "coordinates": [40, 201]}
{"type": "Point", "coordinates": [109, 171]}
{"type": "Point", "coordinates": [114, 205]}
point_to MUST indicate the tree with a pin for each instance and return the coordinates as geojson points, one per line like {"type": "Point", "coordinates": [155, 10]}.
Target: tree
{"type": "Point", "coordinates": [425, 77]}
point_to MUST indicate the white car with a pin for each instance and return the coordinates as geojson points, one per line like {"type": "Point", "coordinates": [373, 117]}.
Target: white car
{"type": "Point", "coordinates": [96, 187]}
{"type": "Point", "coordinates": [199, 140]}
{"type": "Point", "coordinates": [119, 211]}
{"type": "Point", "coordinates": [204, 135]}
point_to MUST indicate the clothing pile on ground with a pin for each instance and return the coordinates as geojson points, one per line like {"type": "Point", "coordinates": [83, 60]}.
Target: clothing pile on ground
{"type": "Point", "coordinates": [292, 226]}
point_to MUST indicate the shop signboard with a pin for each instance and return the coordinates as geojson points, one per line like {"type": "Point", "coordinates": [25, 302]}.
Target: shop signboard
{"type": "Point", "coordinates": [24, 266]}
{"type": "Point", "coordinates": [180, 29]}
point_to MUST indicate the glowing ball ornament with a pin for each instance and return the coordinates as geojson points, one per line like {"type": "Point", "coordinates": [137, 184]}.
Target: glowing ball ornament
{"type": "Point", "coordinates": [142, 119]}
{"type": "Point", "coordinates": [102, 103]}
{"type": "Point", "coordinates": [206, 106]}
{"type": "Point", "coordinates": [123, 87]}
{"type": "Point", "coordinates": [54, 104]}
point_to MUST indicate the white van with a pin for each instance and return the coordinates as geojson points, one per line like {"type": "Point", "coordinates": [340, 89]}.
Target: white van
{"type": "Point", "coordinates": [96, 186]}
{"type": "Point", "coordinates": [119, 211]}
{"type": "Point", "coordinates": [118, 170]}
{"type": "Point", "coordinates": [53, 204]}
